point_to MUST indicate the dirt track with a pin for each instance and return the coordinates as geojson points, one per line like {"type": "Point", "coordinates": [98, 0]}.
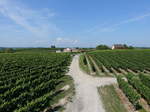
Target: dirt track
{"type": "Point", "coordinates": [86, 98]}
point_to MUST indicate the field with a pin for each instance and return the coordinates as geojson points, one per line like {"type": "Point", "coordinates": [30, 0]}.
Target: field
{"type": "Point", "coordinates": [136, 60]}
{"type": "Point", "coordinates": [136, 88]}
{"type": "Point", "coordinates": [132, 70]}
{"type": "Point", "coordinates": [83, 64]}
{"type": "Point", "coordinates": [111, 100]}
{"type": "Point", "coordinates": [31, 82]}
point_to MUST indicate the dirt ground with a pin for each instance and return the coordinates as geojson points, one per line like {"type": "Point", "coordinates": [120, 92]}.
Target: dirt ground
{"type": "Point", "coordinates": [87, 98]}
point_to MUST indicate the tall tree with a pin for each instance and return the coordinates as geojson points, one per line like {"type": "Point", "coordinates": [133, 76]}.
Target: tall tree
{"type": "Point", "coordinates": [102, 47]}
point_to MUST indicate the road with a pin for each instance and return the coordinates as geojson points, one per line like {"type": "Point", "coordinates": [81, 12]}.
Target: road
{"type": "Point", "coordinates": [87, 98]}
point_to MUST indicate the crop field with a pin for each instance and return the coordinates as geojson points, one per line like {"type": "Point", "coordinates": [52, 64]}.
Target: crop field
{"type": "Point", "coordinates": [135, 84]}
{"type": "Point", "coordinates": [111, 100]}
{"type": "Point", "coordinates": [136, 88]}
{"type": "Point", "coordinates": [29, 82]}
{"type": "Point", "coordinates": [135, 60]}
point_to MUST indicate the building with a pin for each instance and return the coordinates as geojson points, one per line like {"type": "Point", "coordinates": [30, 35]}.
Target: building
{"type": "Point", "coordinates": [58, 51]}
{"type": "Point", "coordinates": [71, 50]}
{"type": "Point", "coordinates": [67, 50]}
{"type": "Point", "coordinates": [75, 50]}
{"type": "Point", "coordinates": [118, 46]}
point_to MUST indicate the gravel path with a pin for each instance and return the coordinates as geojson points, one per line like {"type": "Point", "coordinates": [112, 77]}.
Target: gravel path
{"type": "Point", "coordinates": [87, 98]}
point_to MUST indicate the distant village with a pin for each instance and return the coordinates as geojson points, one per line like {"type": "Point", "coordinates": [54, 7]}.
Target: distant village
{"type": "Point", "coordinates": [115, 46]}
{"type": "Point", "coordinates": [68, 50]}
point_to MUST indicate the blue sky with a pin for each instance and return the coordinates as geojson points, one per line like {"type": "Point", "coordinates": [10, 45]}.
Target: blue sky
{"type": "Point", "coordinates": [84, 23]}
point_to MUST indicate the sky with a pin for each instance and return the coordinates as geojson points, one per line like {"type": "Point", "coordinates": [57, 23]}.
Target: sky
{"type": "Point", "coordinates": [74, 23]}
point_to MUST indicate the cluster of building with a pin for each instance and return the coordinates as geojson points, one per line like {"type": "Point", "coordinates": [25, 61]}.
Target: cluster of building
{"type": "Point", "coordinates": [68, 50]}
{"type": "Point", "coordinates": [118, 46]}
{"type": "Point", "coordinates": [115, 46]}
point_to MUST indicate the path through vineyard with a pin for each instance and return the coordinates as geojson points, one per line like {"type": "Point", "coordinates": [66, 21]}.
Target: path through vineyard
{"type": "Point", "coordinates": [86, 97]}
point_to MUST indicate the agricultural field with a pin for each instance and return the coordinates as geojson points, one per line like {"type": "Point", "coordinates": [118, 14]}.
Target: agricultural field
{"type": "Point", "coordinates": [32, 82]}
{"type": "Point", "coordinates": [135, 60]}
{"type": "Point", "coordinates": [111, 100]}
{"type": "Point", "coordinates": [132, 70]}
{"type": "Point", "coordinates": [136, 88]}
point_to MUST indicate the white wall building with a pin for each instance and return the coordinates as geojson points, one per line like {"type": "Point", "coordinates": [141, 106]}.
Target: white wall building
{"type": "Point", "coordinates": [68, 50]}
{"type": "Point", "coordinates": [118, 46]}
{"type": "Point", "coordinates": [58, 51]}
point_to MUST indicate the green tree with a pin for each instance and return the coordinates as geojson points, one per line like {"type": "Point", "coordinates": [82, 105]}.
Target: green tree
{"type": "Point", "coordinates": [53, 46]}
{"type": "Point", "coordinates": [8, 50]}
{"type": "Point", "coordinates": [102, 47]}
{"type": "Point", "coordinates": [130, 47]}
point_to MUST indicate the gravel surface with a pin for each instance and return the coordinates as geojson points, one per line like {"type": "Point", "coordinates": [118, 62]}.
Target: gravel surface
{"type": "Point", "coordinates": [87, 98]}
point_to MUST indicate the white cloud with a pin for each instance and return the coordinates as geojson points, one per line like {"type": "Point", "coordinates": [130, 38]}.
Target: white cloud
{"type": "Point", "coordinates": [37, 22]}
{"type": "Point", "coordinates": [68, 41]}
{"type": "Point", "coordinates": [114, 27]}
{"type": "Point", "coordinates": [138, 18]}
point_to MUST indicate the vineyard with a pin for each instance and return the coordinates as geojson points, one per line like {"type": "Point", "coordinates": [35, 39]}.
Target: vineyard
{"type": "Point", "coordinates": [136, 88]}
{"type": "Point", "coordinates": [135, 80]}
{"type": "Point", "coordinates": [135, 60]}
{"type": "Point", "coordinates": [29, 82]}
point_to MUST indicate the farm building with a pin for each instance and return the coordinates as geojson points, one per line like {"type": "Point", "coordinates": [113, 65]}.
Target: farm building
{"type": "Point", "coordinates": [75, 50]}
{"type": "Point", "coordinates": [58, 51]}
{"type": "Point", "coordinates": [118, 46]}
{"type": "Point", "coordinates": [67, 50]}
{"type": "Point", "coordinates": [71, 50]}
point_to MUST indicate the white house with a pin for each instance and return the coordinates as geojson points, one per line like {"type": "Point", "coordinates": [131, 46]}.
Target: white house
{"type": "Point", "coordinates": [58, 51]}
{"type": "Point", "coordinates": [118, 46]}
{"type": "Point", "coordinates": [68, 50]}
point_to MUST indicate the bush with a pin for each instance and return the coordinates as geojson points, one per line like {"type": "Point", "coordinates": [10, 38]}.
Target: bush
{"type": "Point", "coordinates": [129, 91]}
{"type": "Point", "coordinates": [26, 77]}
{"type": "Point", "coordinates": [102, 47]}
{"type": "Point", "coordinates": [137, 84]}
{"type": "Point", "coordinates": [8, 50]}
{"type": "Point", "coordinates": [145, 79]}
{"type": "Point", "coordinates": [84, 60]}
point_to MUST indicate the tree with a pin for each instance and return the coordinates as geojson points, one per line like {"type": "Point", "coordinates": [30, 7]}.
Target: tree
{"type": "Point", "coordinates": [8, 50]}
{"type": "Point", "coordinates": [125, 46]}
{"type": "Point", "coordinates": [102, 47]}
{"type": "Point", "coordinates": [130, 47]}
{"type": "Point", "coordinates": [53, 46]}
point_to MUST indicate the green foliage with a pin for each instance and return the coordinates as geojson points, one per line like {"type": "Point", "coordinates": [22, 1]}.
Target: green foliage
{"type": "Point", "coordinates": [8, 50]}
{"type": "Point", "coordinates": [132, 95]}
{"type": "Point", "coordinates": [83, 64]}
{"type": "Point", "coordinates": [145, 78]}
{"type": "Point", "coordinates": [128, 47]}
{"type": "Point", "coordinates": [139, 86]}
{"type": "Point", "coordinates": [131, 47]}
{"type": "Point", "coordinates": [28, 79]}
{"type": "Point", "coordinates": [37, 50]}
{"type": "Point", "coordinates": [111, 100]}
{"type": "Point", "coordinates": [53, 46]}
{"type": "Point", "coordinates": [102, 47]}
{"type": "Point", "coordinates": [136, 60]}
{"type": "Point", "coordinates": [84, 60]}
